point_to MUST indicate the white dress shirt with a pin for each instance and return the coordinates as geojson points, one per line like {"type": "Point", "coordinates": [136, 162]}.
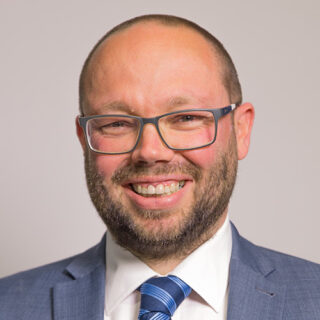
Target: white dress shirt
{"type": "Point", "coordinates": [205, 270]}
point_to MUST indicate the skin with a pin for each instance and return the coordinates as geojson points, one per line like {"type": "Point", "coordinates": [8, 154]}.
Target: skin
{"type": "Point", "coordinates": [148, 70]}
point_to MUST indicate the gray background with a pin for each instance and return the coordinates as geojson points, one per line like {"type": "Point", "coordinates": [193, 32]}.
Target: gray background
{"type": "Point", "coordinates": [45, 211]}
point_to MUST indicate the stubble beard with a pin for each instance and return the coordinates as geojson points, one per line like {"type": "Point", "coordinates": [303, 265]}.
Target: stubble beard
{"type": "Point", "coordinates": [197, 223]}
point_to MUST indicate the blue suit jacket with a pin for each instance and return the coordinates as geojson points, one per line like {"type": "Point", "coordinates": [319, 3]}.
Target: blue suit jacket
{"type": "Point", "coordinates": [264, 285]}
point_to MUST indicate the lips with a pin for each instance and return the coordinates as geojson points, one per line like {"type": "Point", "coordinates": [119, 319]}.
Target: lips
{"type": "Point", "coordinates": [157, 192]}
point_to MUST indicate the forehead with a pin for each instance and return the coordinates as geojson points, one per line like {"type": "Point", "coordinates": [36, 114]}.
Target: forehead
{"type": "Point", "coordinates": [150, 57]}
{"type": "Point", "coordinates": [150, 37]}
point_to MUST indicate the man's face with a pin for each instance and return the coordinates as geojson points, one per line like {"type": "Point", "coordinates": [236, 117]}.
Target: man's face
{"type": "Point", "coordinates": [148, 70]}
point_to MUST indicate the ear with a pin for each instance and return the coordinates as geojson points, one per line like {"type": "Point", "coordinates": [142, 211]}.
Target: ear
{"type": "Point", "coordinates": [243, 122]}
{"type": "Point", "coordinates": [80, 134]}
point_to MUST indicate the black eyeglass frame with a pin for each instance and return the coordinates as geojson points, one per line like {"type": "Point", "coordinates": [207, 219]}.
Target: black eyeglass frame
{"type": "Point", "coordinates": [217, 114]}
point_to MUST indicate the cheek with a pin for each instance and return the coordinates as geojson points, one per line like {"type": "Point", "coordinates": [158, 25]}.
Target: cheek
{"type": "Point", "coordinates": [206, 157]}
{"type": "Point", "coordinates": [202, 158]}
{"type": "Point", "coordinates": [108, 164]}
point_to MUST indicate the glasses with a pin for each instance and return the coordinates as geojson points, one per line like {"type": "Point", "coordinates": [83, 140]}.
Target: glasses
{"type": "Point", "coordinates": [180, 130]}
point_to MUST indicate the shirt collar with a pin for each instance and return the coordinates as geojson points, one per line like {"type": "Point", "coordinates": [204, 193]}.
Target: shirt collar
{"type": "Point", "coordinates": [205, 270]}
{"type": "Point", "coordinates": [124, 274]}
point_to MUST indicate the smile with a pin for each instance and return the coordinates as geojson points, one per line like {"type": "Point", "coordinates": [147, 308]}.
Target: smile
{"type": "Point", "coordinates": [160, 189]}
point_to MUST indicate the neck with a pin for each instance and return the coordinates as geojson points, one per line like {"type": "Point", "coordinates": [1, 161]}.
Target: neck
{"type": "Point", "coordinates": [165, 266]}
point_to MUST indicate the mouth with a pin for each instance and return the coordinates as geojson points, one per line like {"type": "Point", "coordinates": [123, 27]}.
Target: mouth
{"type": "Point", "coordinates": [159, 192]}
{"type": "Point", "coordinates": [157, 189]}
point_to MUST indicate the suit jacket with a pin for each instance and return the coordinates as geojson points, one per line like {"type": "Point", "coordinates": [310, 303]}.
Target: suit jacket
{"type": "Point", "coordinates": [263, 285]}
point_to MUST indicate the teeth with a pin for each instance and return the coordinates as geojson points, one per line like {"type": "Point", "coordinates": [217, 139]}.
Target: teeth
{"type": "Point", "coordinates": [151, 189]}
{"type": "Point", "coordinates": [159, 189]}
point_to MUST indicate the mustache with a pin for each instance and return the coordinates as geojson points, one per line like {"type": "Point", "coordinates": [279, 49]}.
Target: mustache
{"type": "Point", "coordinates": [121, 175]}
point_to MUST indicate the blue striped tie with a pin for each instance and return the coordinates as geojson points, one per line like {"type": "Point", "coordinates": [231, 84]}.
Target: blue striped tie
{"type": "Point", "coordinates": [161, 296]}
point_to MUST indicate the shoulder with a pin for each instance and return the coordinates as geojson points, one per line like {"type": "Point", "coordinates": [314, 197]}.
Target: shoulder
{"type": "Point", "coordinates": [288, 285]}
{"type": "Point", "coordinates": [298, 278]}
{"type": "Point", "coordinates": [26, 291]}
{"type": "Point", "coordinates": [286, 267]}
{"type": "Point", "coordinates": [31, 291]}
{"type": "Point", "coordinates": [32, 286]}
{"type": "Point", "coordinates": [48, 274]}
{"type": "Point", "coordinates": [275, 265]}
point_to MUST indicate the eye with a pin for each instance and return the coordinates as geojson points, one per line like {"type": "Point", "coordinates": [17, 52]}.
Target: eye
{"type": "Point", "coordinates": [117, 124]}
{"type": "Point", "coordinates": [194, 120]}
{"type": "Point", "coordinates": [187, 117]}
{"type": "Point", "coordinates": [178, 118]}
{"type": "Point", "coordinates": [113, 125]}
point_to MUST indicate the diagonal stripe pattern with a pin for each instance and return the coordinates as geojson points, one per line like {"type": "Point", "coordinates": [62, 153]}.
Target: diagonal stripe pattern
{"type": "Point", "coordinates": [161, 296]}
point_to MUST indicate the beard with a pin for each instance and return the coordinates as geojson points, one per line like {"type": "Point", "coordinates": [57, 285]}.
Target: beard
{"type": "Point", "coordinates": [197, 223]}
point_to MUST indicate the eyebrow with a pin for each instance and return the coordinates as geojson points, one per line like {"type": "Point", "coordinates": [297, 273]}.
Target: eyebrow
{"type": "Point", "coordinates": [178, 101]}
{"type": "Point", "coordinates": [118, 106]}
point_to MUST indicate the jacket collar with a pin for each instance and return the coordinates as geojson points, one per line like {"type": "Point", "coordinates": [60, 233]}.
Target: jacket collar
{"type": "Point", "coordinates": [82, 297]}
{"type": "Point", "coordinates": [251, 293]}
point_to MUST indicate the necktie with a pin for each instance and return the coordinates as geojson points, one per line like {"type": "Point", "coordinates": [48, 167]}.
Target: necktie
{"type": "Point", "coordinates": [161, 296]}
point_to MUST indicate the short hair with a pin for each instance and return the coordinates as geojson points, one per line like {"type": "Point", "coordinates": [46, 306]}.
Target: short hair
{"type": "Point", "coordinates": [230, 78]}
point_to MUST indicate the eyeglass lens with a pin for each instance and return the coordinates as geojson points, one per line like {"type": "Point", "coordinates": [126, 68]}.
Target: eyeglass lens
{"type": "Point", "coordinates": [185, 130]}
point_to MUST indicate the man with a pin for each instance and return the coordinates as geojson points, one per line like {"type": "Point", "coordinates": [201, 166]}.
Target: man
{"type": "Point", "coordinates": [162, 127]}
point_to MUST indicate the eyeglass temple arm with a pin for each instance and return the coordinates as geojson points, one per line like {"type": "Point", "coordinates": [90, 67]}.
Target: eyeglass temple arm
{"type": "Point", "coordinates": [224, 111]}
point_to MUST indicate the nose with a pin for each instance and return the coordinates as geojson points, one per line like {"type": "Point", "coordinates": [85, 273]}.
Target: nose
{"type": "Point", "coordinates": [151, 149]}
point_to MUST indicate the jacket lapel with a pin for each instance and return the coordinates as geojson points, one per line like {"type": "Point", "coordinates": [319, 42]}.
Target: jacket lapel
{"type": "Point", "coordinates": [82, 297]}
{"type": "Point", "coordinates": [251, 294]}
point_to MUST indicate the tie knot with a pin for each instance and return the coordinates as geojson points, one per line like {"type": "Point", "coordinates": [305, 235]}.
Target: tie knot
{"type": "Point", "coordinates": [161, 296]}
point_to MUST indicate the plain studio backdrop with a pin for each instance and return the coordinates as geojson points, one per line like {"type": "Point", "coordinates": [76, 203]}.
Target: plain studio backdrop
{"type": "Point", "coordinates": [45, 210]}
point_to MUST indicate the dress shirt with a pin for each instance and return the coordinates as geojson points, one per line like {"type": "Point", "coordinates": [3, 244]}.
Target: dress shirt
{"type": "Point", "coordinates": [205, 270]}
